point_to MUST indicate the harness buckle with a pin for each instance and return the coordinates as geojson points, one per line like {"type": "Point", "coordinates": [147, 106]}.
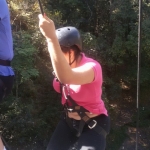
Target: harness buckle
{"type": "Point", "coordinates": [70, 109]}
{"type": "Point", "coordinates": [92, 124]}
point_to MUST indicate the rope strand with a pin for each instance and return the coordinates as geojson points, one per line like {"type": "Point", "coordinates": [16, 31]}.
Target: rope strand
{"type": "Point", "coordinates": [138, 71]}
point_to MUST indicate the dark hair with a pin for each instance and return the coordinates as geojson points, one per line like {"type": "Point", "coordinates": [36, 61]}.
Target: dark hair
{"type": "Point", "coordinates": [74, 48]}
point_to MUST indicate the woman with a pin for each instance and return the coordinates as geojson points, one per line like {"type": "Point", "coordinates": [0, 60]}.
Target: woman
{"type": "Point", "coordinates": [85, 123]}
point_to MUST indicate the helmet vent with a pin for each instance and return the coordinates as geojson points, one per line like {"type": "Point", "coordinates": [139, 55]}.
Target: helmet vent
{"type": "Point", "coordinates": [69, 36]}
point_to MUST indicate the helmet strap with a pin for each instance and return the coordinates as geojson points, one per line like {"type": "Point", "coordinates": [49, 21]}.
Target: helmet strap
{"type": "Point", "coordinates": [70, 63]}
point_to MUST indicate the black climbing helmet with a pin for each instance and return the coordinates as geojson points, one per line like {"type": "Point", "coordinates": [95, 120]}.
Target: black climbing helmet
{"type": "Point", "coordinates": [69, 36]}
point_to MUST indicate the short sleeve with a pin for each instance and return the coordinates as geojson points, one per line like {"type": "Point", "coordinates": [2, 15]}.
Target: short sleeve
{"type": "Point", "coordinates": [96, 68]}
{"type": "Point", "coordinates": [56, 85]}
{"type": "Point", "coordinates": [4, 9]}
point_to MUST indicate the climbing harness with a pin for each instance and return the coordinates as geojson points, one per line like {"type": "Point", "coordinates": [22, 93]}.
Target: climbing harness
{"type": "Point", "coordinates": [92, 124]}
{"type": "Point", "coordinates": [72, 106]}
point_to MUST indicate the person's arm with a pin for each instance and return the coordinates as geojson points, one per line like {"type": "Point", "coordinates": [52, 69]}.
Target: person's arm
{"type": "Point", "coordinates": [1, 144]}
{"type": "Point", "coordinates": [3, 9]}
{"type": "Point", "coordinates": [63, 71]}
{"type": "Point", "coordinates": [1, 12]}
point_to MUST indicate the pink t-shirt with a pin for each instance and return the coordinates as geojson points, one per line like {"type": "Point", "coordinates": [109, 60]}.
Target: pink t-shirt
{"type": "Point", "coordinates": [87, 95]}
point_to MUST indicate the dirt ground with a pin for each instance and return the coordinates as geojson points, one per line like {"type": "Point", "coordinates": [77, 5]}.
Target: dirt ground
{"type": "Point", "coordinates": [143, 140]}
{"type": "Point", "coordinates": [138, 138]}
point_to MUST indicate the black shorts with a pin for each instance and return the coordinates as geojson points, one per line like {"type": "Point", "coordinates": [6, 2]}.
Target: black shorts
{"type": "Point", "coordinates": [6, 84]}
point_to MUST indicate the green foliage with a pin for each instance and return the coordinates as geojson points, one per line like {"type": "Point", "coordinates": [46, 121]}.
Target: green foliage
{"type": "Point", "coordinates": [115, 138]}
{"type": "Point", "coordinates": [144, 115]}
{"type": "Point", "coordinates": [24, 53]}
{"type": "Point", "coordinates": [110, 35]}
{"type": "Point", "coordinates": [22, 125]}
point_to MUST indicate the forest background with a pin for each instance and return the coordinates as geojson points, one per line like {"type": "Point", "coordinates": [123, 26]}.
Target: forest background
{"type": "Point", "coordinates": [109, 30]}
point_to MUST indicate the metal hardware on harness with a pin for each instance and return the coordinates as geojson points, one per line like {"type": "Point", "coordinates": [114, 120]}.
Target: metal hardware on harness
{"type": "Point", "coordinates": [64, 92]}
{"type": "Point", "coordinates": [92, 124]}
{"type": "Point", "coordinates": [70, 109]}
{"type": "Point", "coordinates": [95, 123]}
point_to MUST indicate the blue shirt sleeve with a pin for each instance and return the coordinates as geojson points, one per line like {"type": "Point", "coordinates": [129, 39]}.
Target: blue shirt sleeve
{"type": "Point", "coordinates": [3, 9]}
{"type": "Point", "coordinates": [6, 41]}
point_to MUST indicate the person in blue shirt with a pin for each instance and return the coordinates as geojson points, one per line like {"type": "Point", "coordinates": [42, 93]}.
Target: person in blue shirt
{"type": "Point", "coordinates": [6, 51]}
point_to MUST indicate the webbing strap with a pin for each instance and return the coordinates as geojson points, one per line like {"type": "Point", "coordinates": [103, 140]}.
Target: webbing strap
{"type": "Point", "coordinates": [5, 62]}
{"type": "Point", "coordinates": [92, 124]}
{"type": "Point", "coordinates": [97, 128]}
{"type": "Point", "coordinates": [81, 126]}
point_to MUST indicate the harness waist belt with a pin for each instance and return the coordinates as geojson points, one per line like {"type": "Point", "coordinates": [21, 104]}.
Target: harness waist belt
{"type": "Point", "coordinates": [5, 62]}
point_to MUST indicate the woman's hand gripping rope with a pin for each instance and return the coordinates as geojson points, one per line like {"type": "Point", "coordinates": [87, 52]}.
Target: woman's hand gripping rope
{"type": "Point", "coordinates": [47, 27]}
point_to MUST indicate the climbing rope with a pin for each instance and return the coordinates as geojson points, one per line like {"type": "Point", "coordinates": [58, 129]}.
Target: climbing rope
{"type": "Point", "coordinates": [41, 8]}
{"type": "Point", "coordinates": [138, 71]}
